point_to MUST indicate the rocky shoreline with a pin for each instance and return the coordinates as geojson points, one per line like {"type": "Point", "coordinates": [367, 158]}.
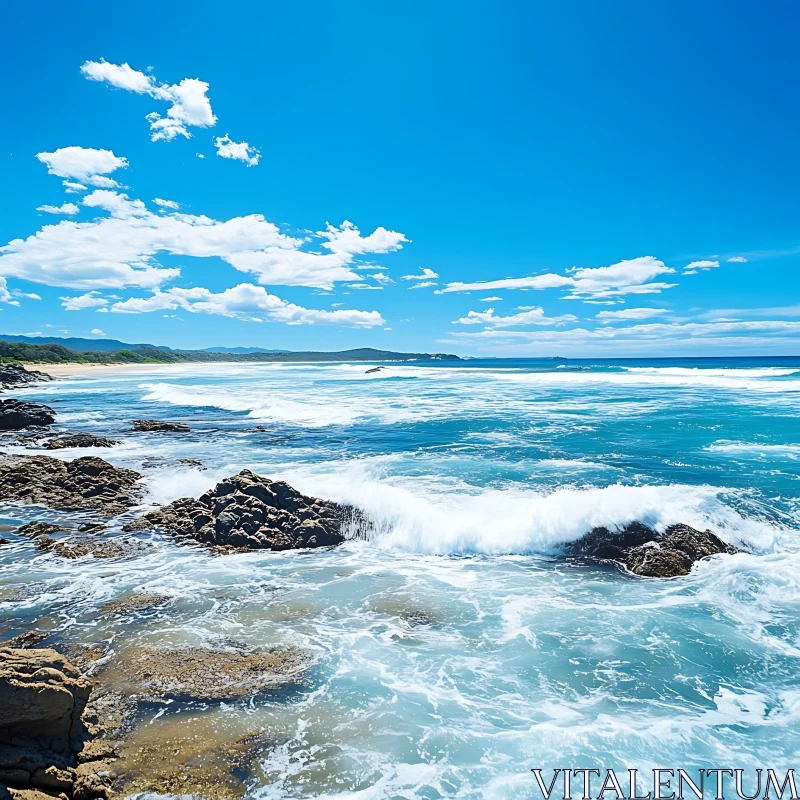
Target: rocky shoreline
{"type": "Point", "coordinates": [71, 716]}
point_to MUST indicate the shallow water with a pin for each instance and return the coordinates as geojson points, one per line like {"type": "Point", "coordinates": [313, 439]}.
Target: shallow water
{"type": "Point", "coordinates": [454, 651]}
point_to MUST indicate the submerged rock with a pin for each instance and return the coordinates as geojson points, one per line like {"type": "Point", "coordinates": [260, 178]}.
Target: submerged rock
{"type": "Point", "coordinates": [13, 375]}
{"type": "Point", "coordinates": [80, 546]}
{"type": "Point", "coordinates": [18, 414]}
{"type": "Point", "coordinates": [648, 553]}
{"type": "Point", "coordinates": [35, 529]}
{"type": "Point", "coordinates": [200, 673]}
{"type": "Point", "coordinates": [85, 483]}
{"type": "Point", "coordinates": [135, 603]}
{"type": "Point", "coordinates": [248, 511]}
{"type": "Point", "coordinates": [158, 426]}
{"type": "Point", "coordinates": [79, 440]}
{"type": "Point", "coordinates": [42, 700]}
{"type": "Point", "coordinates": [207, 754]}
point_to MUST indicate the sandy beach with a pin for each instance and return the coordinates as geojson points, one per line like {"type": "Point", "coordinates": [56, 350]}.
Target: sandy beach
{"type": "Point", "coordinates": [82, 370]}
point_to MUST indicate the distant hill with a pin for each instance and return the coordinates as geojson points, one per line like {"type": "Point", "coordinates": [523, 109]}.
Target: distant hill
{"type": "Point", "coordinates": [112, 345]}
{"type": "Point", "coordinates": [53, 351]}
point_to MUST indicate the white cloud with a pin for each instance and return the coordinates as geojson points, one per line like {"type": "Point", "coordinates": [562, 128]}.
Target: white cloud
{"type": "Point", "coordinates": [528, 316]}
{"type": "Point", "coordinates": [98, 332]}
{"type": "Point", "coordinates": [737, 260]}
{"type": "Point", "coordinates": [5, 295]}
{"type": "Point", "coordinates": [120, 249]}
{"type": "Point", "coordinates": [85, 164]}
{"type": "Point", "coordinates": [88, 300]}
{"type": "Point", "coordinates": [246, 302]}
{"type": "Point", "coordinates": [71, 187]}
{"type": "Point", "coordinates": [631, 313]}
{"type": "Point", "coordinates": [426, 274]}
{"type": "Point", "coordinates": [239, 151]}
{"type": "Point", "coordinates": [633, 276]}
{"type": "Point", "coordinates": [347, 239]}
{"type": "Point", "coordinates": [696, 266]}
{"type": "Point", "coordinates": [490, 299]}
{"type": "Point", "coordinates": [423, 285]}
{"type": "Point", "coordinates": [648, 336]}
{"type": "Point", "coordinates": [65, 208]}
{"type": "Point", "coordinates": [199, 155]}
{"type": "Point", "coordinates": [171, 204]}
{"type": "Point", "coordinates": [189, 103]}
{"type": "Point", "coordinates": [380, 277]}
{"type": "Point", "coordinates": [25, 295]}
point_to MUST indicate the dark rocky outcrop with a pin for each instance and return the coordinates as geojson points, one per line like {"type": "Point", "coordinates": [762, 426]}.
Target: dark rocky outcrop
{"type": "Point", "coordinates": [79, 440]}
{"type": "Point", "coordinates": [248, 511]}
{"type": "Point", "coordinates": [158, 426]}
{"type": "Point", "coordinates": [42, 732]}
{"type": "Point", "coordinates": [648, 553]}
{"type": "Point", "coordinates": [14, 375]}
{"type": "Point", "coordinates": [88, 483]}
{"type": "Point", "coordinates": [136, 603]}
{"type": "Point", "coordinates": [18, 414]}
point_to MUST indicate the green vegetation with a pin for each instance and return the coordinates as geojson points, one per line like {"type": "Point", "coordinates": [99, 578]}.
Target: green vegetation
{"type": "Point", "coordinates": [58, 354]}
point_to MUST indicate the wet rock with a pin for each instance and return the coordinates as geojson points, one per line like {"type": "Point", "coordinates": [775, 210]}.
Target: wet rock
{"type": "Point", "coordinates": [199, 673]}
{"type": "Point", "coordinates": [251, 512]}
{"type": "Point", "coordinates": [81, 546]}
{"type": "Point", "coordinates": [4, 541]}
{"type": "Point", "coordinates": [79, 440]}
{"type": "Point", "coordinates": [14, 375]}
{"type": "Point", "coordinates": [158, 426]}
{"type": "Point", "coordinates": [84, 483]}
{"type": "Point", "coordinates": [210, 755]}
{"type": "Point", "coordinates": [647, 553]}
{"type": "Point", "coordinates": [135, 603]}
{"type": "Point", "coordinates": [42, 699]}
{"type": "Point", "coordinates": [18, 414]}
{"type": "Point", "coordinates": [25, 640]}
{"type": "Point", "coordinates": [34, 529]}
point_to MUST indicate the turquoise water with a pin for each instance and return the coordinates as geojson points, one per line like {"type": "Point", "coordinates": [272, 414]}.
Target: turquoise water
{"type": "Point", "coordinates": [455, 650]}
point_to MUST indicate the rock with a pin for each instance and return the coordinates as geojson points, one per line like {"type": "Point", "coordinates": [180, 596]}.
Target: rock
{"type": "Point", "coordinates": [203, 674]}
{"type": "Point", "coordinates": [18, 414]}
{"type": "Point", "coordinates": [4, 541]}
{"type": "Point", "coordinates": [85, 483]}
{"type": "Point", "coordinates": [81, 546]}
{"type": "Point", "coordinates": [135, 603]}
{"type": "Point", "coordinates": [250, 512]}
{"type": "Point", "coordinates": [79, 440]}
{"type": "Point", "coordinates": [34, 529]}
{"type": "Point", "coordinates": [374, 369]}
{"type": "Point", "coordinates": [157, 426]}
{"type": "Point", "coordinates": [14, 375]}
{"type": "Point", "coordinates": [42, 699]}
{"type": "Point", "coordinates": [647, 553]}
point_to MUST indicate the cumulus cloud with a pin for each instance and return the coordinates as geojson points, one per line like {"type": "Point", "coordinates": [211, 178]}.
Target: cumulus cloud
{"type": "Point", "coordinates": [84, 164]}
{"type": "Point", "coordinates": [189, 104]}
{"type": "Point", "coordinates": [72, 187]}
{"type": "Point", "coordinates": [81, 302]}
{"type": "Point", "coordinates": [699, 266]}
{"type": "Point", "coordinates": [632, 276]}
{"type": "Point", "coordinates": [529, 315]}
{"type": "Point", "coordinates": [490, 299]}
{"type": "Point", "coordinates": [120, 249]}
{"type": "Point", "coordinates": [246, 302]}
{"type": "Point", "coordinates": [98, 332]}
{"type": "Point", "coordinates": [65, 208]}
{"type": "Point", "coordinates": [171, 204]}
{"type": "Point", "coordinates": [631, 313]}
{"type": "Point", "coordinates": [239, 151]}
{"type": "Point", "coordinates": [425, 275]}
{"type": "Point", "coordinates": [382, 278]}
{"type": "Point", "coordinates": [737, 260]}
{"type": "Point", "coordinates": [5, 295]}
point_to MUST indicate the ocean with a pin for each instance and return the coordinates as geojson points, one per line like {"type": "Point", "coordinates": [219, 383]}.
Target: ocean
{"type": "Point", "coordinates": [454, 648]}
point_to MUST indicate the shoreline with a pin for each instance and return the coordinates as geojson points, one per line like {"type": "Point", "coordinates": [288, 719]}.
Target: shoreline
{"type": "Point", "coordinates": [82, 370]}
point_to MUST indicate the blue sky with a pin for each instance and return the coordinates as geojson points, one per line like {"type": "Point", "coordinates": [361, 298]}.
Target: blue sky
{"type": "Point", "coordinates": [571, 160]}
